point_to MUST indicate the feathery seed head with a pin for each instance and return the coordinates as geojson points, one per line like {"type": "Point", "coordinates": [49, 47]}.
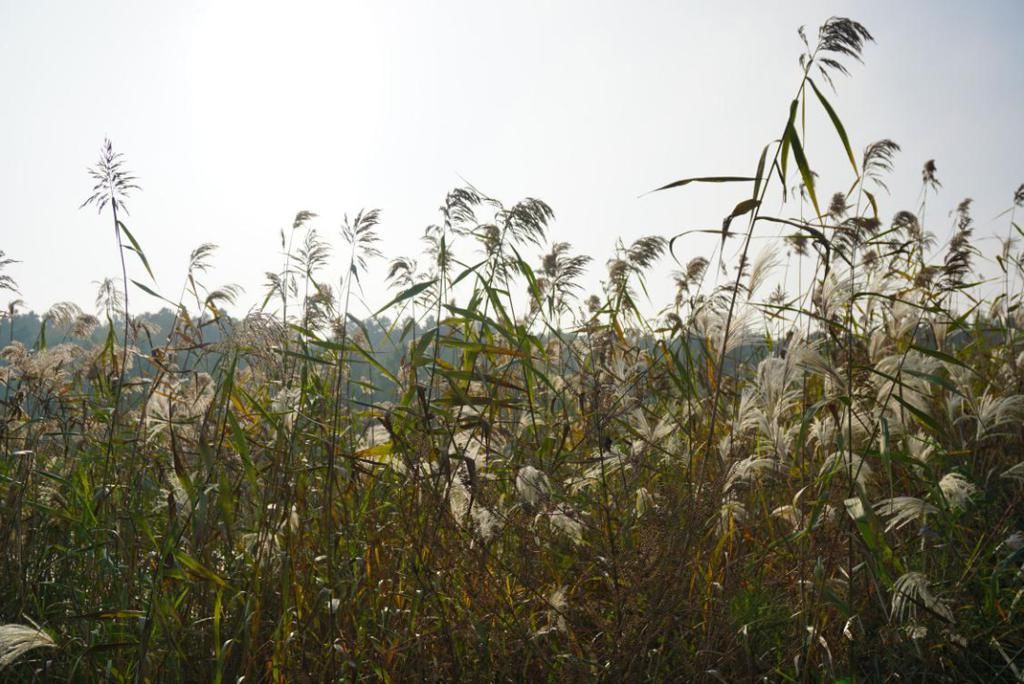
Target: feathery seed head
{"type": "Point", "coordinates": [533, 486]}
{"type": "Point", "coordinates": [16, 640]}
{"type": "Point", "coordinates": [902, 510]}
{"type": "Point", "coordinates": [112, 182]}
{"type": "Point", "coordinates": [957, 490]}
{"type": "Point", "coordinates": [910, 592]}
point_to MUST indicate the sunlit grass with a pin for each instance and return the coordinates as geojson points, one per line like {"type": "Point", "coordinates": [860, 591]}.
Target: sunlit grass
{"type": "Point", "coordinates": [812, 484]}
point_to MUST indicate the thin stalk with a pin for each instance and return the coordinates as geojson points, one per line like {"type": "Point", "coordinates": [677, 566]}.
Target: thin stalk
{"type": "Point", "coordinates": [124, 341]}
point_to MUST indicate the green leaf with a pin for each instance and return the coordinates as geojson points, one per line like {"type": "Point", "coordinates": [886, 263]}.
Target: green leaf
{"type": "Point", "coordinates": [874, 204]}
{"type": "Point", "coordinates": [942, 356]}
{"type": "Point", "coordinates": [744, 207]}
{"type": "Point", "coordinates": [784, 153]}
{"type": "Point", "coordinates": [240, 443]}
{"type": "Point", "coordinates": [815, 234]}
{"type": "Point", "coordinates": [805, 169]}
{"type": "Point", "coordinates": [306, 357]}
{"type": "Point", "coordinates": [218, 647]}
{"type": "Point", "coordinates": [933, 379]}
{"type": "Point", "coordinates": [407, 293]}
{"type": "Point", "coordinates": [152, 293]}
{"type": "Point", "coordinates": [198, 569]}
{"type": "Point", "coordinates": [672, 242]}
{"type": "Point", "coordinates": [873, 536]}
{"type": "Point", "coordinates": [466, 272]}
{"type": "Point", "coordinates": [525, 269]}
{"type": "Point", "coordinates": [113, 614]}
{"type": "Point", "coordinates": [759, 176]}
{"type": "Point", "coordinates": [838, 126]}
{"type": "Point", "coordinates": [925, 419]}
{"type": "Point", "coordinates": [137, 249]}
{"type": "Point", "coordinates": [421, 346]}
{"type": "Point", "coordinates": [369, 357]}
{"type": "Point", "coordinates": [480, 347]}
{"type": "Point", "coordinates": [703, 179]}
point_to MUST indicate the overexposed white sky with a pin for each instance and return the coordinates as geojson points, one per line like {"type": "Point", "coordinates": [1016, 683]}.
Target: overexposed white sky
{"type": "Point", "coordinates": [236, 115]}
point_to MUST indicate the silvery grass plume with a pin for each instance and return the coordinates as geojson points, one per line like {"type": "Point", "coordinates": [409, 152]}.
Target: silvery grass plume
{"type": "Point", "coordinates": [709, 323]}
{"type": "Point", "coordinates": [555, 614]}
{"type": "Point", "coordinates": [876, 309]}
{"type": "Point", "coordinates": [730, 514]}
{"type": "Point", "coordinates": [7, 282]}
{"type": "Point", "coordinates": [957, 490]}
{"type": "Point", "coordinates": [766, 261]}
{"type": "Point", "coordinates": [904, 318]}
{"type": "Point", "coordinates": [258, 334]}
{"type": "Point", "coordinates": [1014, 542]}
{"type": "Point", "coordinates": [175, 405]}
{"type": "Point", "coordinates": [688, 283]}
{"type": "Point", "coordinates": [61, 313]}
{"type": "Point", "coordinates": [778, 379]}
{"type": "Point", "coordinates": [286, 405]}
{"type": "Point", "coordinates": [113, 183]}
{"type": "Point", "coordinates": [920, 450]}
{"type": "Point", "coordinates": [905, 376]}
{"type": "Point", "coordinates": [791, 515]}
{"type": "Point", "coordinates": [650, 434]}
{"type": "Point", "coordinates": [776, 432]}
{"type": "Point", "coordinates": [910, 592]}
{"type": "Point", "coordinates": [996, 414]}
{"type": "Point", "coordinates": [775, 393]}
{"type": "Point", "coordinates": [902, 510]}
{"type": "Point", "coordinates": [557, 279]}
{"type": "Point", "coordinates": [565, 520]}
{"type": "Point", "coordinates": [69, 316]}
{"type": "Point", "coordinates": [845, 464]}
{"type": "Point", "coordinates": [16, 640]}
{"type": "Point", "coordinates": [645, 501]}
{"type": "Point", "coordinates": [606, 465]}
{"type": "Point", "coordinates": [533, 486]}
{"type": "Point", "coordinates": [484, 523]}
{"type": "Point", "coordinates": [109, 300]}
{"type": "Point", "coordinates": [49, 367]}
{"type": "Point", "coordinates": [823, 433]}
{"type": "Point", "coordinates": [811, 360]}
{"type": "Point", "coordinates": [954, 407]}
{"type": "Point", "coordinates": [478, 448]}
{"type": "Point", "coordinates": [880, 345]}
{"type": "Point", "coordinates": [15, 354]}
{"type": "Point", "coordinates": [173, 495]}
{"type": "Point", "coordinates": [833, 295]}
{"type": "Point", "coordinates": [751, 470]}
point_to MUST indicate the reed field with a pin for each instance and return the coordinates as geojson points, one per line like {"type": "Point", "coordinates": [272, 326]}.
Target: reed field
{"type": "Point", "coordinates": [811, 472]}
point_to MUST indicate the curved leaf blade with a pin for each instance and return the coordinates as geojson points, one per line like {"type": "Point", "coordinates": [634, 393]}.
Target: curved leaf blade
{"type": "Point", "coordinates": [840, 130]}
{"type": "Point", "coordinates": [703, 179]}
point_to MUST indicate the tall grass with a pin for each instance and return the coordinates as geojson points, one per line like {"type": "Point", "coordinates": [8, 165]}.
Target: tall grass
{"type": "Point", "coordinates": [809, 485]}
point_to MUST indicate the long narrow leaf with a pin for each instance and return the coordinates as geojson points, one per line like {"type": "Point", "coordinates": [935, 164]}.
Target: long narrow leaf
{"type": "Point", "coordinates": [805, 169]}
{"type": "Point", "coordinates": [407, 293]}
{"type": "Point", "coordinates": [840, 130]}
{"type": "Point", "coordinates": [703, 179]}
{"type": "Point", "coordinates": [137, 249]}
